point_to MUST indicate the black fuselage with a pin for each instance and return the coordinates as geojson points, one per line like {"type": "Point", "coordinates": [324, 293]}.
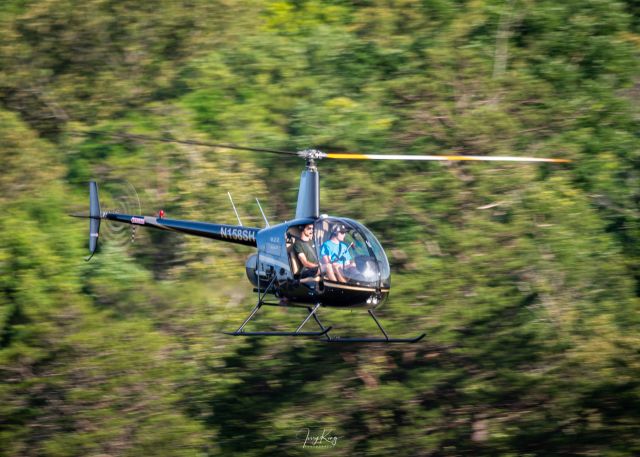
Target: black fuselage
{"type": "Point", "coordinates": [274, 263]}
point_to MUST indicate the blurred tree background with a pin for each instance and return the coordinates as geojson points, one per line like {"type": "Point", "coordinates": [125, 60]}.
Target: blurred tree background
{"type": "Point", "coordinates": [526, 278]}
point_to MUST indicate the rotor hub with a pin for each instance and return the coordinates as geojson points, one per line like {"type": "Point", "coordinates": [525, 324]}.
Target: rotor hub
{"type": "Point", "coordinates": [312, 154]}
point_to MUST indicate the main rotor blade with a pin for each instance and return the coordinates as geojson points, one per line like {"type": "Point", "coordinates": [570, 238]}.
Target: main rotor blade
{"type": "Point", "coordinates": [131, 136]}
{"type": "Point", "coordinates": [335, 155]}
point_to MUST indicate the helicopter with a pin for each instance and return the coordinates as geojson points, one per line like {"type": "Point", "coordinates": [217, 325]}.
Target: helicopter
{"type": "Point", "coordinates": [351, 268]}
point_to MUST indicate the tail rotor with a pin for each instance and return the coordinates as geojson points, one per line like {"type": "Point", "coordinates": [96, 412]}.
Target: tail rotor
{"type": "Point", "coordinates": [94, 218]}
{"type": "Point", "coordinates": [127, 203]}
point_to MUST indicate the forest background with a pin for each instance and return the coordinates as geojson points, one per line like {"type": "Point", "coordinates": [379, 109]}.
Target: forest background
{"type": "Point", "coordinates": [526, 278]}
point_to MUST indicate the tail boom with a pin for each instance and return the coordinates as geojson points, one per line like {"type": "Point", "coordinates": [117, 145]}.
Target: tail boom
{"type": "Point", "coordinates": [230, 233]}
{"type": "Point", "coordinates": [236, 234]}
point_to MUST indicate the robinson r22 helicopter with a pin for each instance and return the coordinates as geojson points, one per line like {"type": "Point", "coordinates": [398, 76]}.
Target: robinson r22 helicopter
{"type": "Point", "coordinates": [275, 268]}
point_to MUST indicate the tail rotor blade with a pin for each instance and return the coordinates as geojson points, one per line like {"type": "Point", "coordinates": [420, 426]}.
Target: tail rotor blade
{"type": "Point", "coordinates": [94, 218]}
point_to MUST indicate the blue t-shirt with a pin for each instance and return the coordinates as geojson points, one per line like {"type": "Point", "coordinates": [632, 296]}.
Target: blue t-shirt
{"type": "Point", "coordinates": [337, 252]}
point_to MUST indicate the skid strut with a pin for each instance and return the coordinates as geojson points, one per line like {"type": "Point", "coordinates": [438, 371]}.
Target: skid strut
{"type": "Point", "coordinates": [312, 313]}
{"type": "Point", "coordinates": [297, 332]}
{"type": "Point", "coordinates": [386, 339]}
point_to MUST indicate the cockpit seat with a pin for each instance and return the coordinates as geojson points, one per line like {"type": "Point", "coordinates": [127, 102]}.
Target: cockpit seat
{"type": "Point", "coordinates": [293, 259]}
{"type": "Point", "coordinates": [293, 236]}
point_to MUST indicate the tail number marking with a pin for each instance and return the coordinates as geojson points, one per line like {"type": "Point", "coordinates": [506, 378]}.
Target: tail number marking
{"type": "Point", "coordinates": [237, 234]}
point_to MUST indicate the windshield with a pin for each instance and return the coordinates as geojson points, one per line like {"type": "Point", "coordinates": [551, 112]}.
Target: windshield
{"type": "Point", "coordinates": [349, 253]}
{"type": "Point", "coordinates": [380, 256]}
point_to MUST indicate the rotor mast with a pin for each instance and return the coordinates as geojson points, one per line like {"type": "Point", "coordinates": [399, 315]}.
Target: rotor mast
{"type": "Point", "coordinates": [309, 190]}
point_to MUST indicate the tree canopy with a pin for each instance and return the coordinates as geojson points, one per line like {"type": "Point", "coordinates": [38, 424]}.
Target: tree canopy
{"type": "Point", "coordinates": [526, 278]}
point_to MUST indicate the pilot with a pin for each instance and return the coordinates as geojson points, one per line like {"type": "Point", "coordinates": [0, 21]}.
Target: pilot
{"type": "Point", "coordinates": [305, 251]}
{"type": "Point", "coordinates": [335, 254]}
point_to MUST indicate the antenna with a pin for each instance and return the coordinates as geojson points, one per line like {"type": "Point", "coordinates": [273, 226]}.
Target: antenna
{"type": "Point", "coordinates": [263, 216]}
{"type": "Point", "coordinates": [234, 208]}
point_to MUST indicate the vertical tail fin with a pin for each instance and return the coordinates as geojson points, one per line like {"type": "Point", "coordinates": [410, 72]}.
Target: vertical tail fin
{"type": "Point", "coordinates": [94, 215]}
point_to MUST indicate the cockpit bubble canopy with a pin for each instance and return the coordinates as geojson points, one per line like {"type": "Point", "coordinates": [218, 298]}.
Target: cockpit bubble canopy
{"type": "Point", "coordinates": [359, 254]}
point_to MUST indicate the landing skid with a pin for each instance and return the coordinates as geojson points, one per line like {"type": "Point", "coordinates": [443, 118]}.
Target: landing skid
{"type": "Point", "coordinates": [278, 333]}
{"type": "Point", "coordinates": [297, 332]}
{"type": "Point", "coordinates": [386, 339]}
{"type": "Point", "coordinates": [324, 331]}
{"type": "Point", "coordinates": [339, 339]}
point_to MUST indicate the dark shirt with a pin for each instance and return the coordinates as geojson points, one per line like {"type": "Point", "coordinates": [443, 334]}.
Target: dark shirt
{"type": "Point", "coordinates": [307, 248]}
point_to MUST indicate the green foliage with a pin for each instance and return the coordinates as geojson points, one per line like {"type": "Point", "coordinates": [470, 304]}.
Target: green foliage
{"type": "Point", "coordinates": [526, 278]}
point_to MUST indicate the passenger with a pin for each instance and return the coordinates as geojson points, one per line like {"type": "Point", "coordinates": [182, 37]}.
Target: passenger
{"type": "Point", "coordinates": [305, 250]}
{"type": "Point", "coordinates": [335, 254]}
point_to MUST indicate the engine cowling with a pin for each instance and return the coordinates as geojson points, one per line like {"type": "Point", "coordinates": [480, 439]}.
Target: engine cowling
{"type": "Point", "coordinates": [251, 266]}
